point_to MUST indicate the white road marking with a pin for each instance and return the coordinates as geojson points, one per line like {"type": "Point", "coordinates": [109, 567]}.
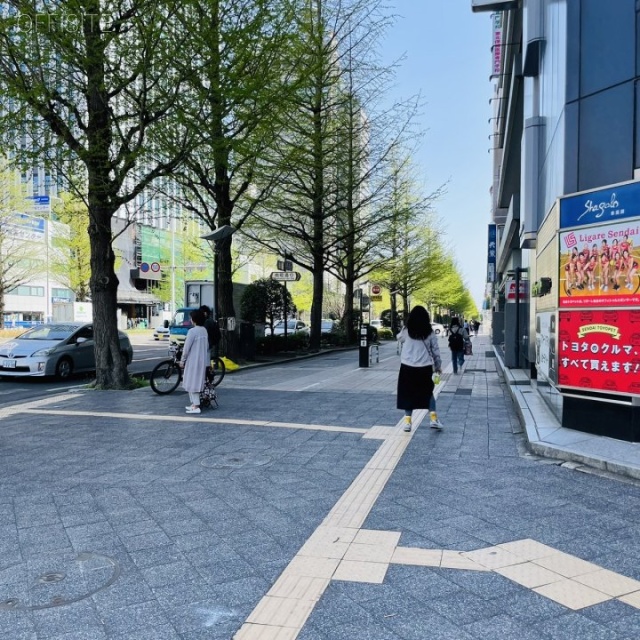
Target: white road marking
{"type": "Point", "coordinates": [315, 384]}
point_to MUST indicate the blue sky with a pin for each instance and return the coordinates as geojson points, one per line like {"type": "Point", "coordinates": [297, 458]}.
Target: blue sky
{"type": "Point", "coordinates": [448, 61]}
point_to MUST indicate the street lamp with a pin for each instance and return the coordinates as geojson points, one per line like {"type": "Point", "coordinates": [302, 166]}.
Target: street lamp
{"type": "Point", "coordinates": [216, 237]}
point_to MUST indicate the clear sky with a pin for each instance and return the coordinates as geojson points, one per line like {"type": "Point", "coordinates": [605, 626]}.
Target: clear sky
{"type": "Point", "coordinates": [448, 61]}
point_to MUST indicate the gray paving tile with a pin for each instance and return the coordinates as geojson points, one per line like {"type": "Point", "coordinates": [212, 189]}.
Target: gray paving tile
{"type": "Point", "coordinates": [146, 541]}
{"type": "Point", "coordinates": [351, 631]}
{"type": "Point", "coordinates": [503, 627]}
{"type": "Point", "coordinates": [128, 589]}
{"type": "Point", "coordinates": [211, 542]}
{"type": "Point", "coordinates": [17, 624]}
{"type": "Point", "coordinates": [611, 612]}
{"type": "Point", "coordinates": [575, 625]}
{"type": "Point", "coordinates": [93, 634]}
{"type": "Point", "coordinates": [72, 618]}
{"type": "Point", "coordinates": [164, 632]}
{"type": "Point", "coordinates": [206, 615]}
{"type": "Point", "coordinates": [175, 572]}
{"type": "Point", "coordinates": [133, 617]}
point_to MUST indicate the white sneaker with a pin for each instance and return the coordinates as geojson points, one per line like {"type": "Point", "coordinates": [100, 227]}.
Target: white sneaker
{"type": "Point", "coordinates": [407, 424]}
{"type": "Point", "coordinates": [193, 409]}
{"type": "Point", "coordinates": [436, 424]}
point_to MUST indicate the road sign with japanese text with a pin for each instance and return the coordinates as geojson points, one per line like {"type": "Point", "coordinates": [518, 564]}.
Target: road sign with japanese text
{"type": "Point", "coordinates": [285, 276]}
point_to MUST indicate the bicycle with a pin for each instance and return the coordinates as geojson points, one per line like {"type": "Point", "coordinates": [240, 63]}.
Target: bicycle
{"type": "Point", "coordinates": [167, 375]}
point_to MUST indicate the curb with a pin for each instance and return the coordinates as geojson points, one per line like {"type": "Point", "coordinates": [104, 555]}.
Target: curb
{"type": "Point", "coordinates": [534, 413]}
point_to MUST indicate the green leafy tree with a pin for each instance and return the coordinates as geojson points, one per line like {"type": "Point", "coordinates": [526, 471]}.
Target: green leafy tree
{"type": "Point", "coordinates": [371, 134]}
{"type": "Point", "coordinates": [264, 301]}
{"type": "Point", "coordinates": [447, 292]}
{"type": "Point", "coordinates": [71, 258]}
{"type": "Point", "coordinates": [96, 87]}
{"type": "Point", "coordinates": [300, 217]}
{"type": "Point", "coordinates": [412, 246]}
{"type": "Point", "coordinates": [240, 51]}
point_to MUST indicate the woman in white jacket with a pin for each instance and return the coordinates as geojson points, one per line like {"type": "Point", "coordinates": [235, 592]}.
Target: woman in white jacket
{"type": "Point", "coordinates": [195, 358]}
{"type": "Point", "coordinates": [420, 358]}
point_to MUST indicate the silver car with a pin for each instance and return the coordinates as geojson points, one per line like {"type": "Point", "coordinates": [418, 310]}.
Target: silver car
{"type": "Point", "coordinates": [56, 349]}
{"type": "Point", "coordinates": [293, 326]}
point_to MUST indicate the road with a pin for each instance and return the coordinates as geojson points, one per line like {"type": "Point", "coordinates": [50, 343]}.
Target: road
{"type": "Point", "coordinates": [146, 354]}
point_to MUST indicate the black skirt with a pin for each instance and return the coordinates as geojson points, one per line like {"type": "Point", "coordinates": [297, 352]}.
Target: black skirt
{"type": "Point", "coordinates": [415, 387]}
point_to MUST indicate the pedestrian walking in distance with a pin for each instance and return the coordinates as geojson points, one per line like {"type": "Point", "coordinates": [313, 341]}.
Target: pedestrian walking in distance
{"type": "Point", "coordinates": [195, 359]}
{"type": "Point", "coordinates": [419, 359]}
{"type": "Point", "coordinates": [457, 337]}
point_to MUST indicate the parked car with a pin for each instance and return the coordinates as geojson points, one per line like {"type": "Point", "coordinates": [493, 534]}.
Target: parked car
{"type": "Point", "coordinates": [55, 349]}
{"type": "Point", "coordinates": [328, 326]}
{"type": "Point", "coordinates": [293, 326]}
{"type": "Point", "coordinates": [161, 332]}
{"type": "Point", "coordinates": [376, 323]}
{"type": "Point", "coordinates": [438, 328]}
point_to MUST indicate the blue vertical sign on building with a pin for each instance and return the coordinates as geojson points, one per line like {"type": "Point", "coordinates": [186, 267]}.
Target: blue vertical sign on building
{"type": "Point", "coordinates": [491, 253]}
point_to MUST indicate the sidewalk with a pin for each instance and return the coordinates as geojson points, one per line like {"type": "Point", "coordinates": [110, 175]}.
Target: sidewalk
{"type": "Point", "coordinates": [545, 434]}
{"type": "Point", "coordinates": [300, 510]}
{"type": "Point", "coordinates": [548, 438]}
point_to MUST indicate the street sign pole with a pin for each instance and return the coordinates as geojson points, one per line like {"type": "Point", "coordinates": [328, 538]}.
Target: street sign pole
{"type": "Point", "coordinates": [286, 315]}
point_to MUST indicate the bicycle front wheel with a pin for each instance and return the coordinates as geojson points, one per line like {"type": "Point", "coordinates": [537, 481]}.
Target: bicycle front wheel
{"type": "Point", "coordinates": [215, 373]}
{"type": "Point", "coordinates": [166, 377]}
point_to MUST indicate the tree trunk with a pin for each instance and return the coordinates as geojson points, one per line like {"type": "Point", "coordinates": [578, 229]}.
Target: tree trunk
{"type": "Point", "coordinates": [225, 297]}
{"type": "Point", "coordinates": [111, 367]}
{"type": "Point", "coordinates": [394, 312]}
{"type": "Point", "coordinates": [316, 305]}
{"type": "Point", "coordinates": [349, 315]}
{"type": "Point", "coordinates": [2, 305]}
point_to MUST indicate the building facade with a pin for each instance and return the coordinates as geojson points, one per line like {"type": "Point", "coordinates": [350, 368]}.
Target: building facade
{"type": "Point", "coordinates": [565, 289]}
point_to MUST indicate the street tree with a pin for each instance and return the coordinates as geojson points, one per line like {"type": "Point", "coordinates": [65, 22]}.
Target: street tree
{"type": "Point", "coordinates": [411, 244]}
{"type": "Point", "coordinates": [447, 289]}
{"type": "Point", "coordinates": [93, 83]}
{"type": "Point", "coordinates": [241, 51]}
{"type": "Point", "coordinates": [265, 301]}
{"type": "Point", "coordinates": [300, 216]}
{"type": "Point", "coordinates": [372, 133]}
{"type": "Point", "coordinates": [71, 255]}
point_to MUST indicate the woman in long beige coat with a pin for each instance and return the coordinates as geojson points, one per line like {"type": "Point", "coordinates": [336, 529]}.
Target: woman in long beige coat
{"type": "Point", "coordinates": [195, 359]}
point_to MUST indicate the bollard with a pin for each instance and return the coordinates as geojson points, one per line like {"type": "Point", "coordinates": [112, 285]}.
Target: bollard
{"type": "Point", "coordinates": [363, 351]}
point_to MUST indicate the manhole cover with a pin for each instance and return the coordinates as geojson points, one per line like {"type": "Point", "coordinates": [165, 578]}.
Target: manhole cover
{"type": "Point", "coordinates": [475, 371]}
{"type": "Point", "coordinates": [236, 460]}
{"type": "Point", "coordinates": [463, 392]}
{"type": "Point", "coordinates": [489, 354]}
{"type": "Point", "coordinates": [55, 580]}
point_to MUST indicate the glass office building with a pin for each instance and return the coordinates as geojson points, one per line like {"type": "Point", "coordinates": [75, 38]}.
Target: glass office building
{"type": "Point", "coordinates": [566, 204]}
